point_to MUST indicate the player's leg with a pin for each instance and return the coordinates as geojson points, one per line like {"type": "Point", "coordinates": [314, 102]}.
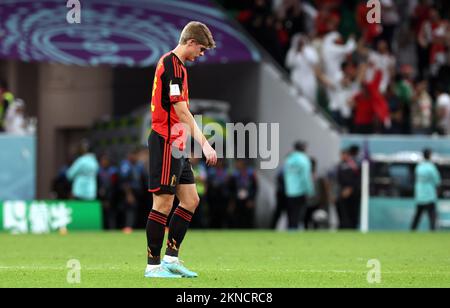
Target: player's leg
{"type": "Point", "coordinates": [155, 229]}
{"type": "Point", "coordinates": [156, 223]}
{"type": "Point", "coordinates": [182, 216]}
{"type": "Point", "coordinates": [163, 197]}
{"type": "Point", "coordinates": [178, 226]}
{"type": "Point", "coordinates": [186, 192]}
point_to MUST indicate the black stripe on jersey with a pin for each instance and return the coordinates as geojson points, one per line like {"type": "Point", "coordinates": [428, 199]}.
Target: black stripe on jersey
{"type": "Point", "coordinates": [175, 71]}
{"type": "Point", "coordinates": [180, 72]}
{"type": "Point", "coordinates": [168, 77]}
{"type": "Point", "coordinates": [173, 74]}
{"type": "Point", "coordinates": [168, 126]}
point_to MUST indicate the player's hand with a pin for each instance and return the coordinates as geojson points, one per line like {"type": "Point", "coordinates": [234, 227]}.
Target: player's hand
{"type": "Point", "coordinates": [210, 154]}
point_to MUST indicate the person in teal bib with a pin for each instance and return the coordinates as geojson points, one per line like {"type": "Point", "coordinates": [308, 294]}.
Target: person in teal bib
{"type": "Point", "coordinates": [83, 174]}
{"type": "Point", "coordinates": [428, 180]}
{"type": "Point", "coordinates": [298, 184]}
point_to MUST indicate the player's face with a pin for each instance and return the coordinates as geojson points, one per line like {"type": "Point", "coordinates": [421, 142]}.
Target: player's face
{"type": "Point", "coordinates": [197, 50]}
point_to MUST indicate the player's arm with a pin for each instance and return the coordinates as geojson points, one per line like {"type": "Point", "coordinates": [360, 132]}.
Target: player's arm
{"type": "Point", "coordinates": [186, 117]}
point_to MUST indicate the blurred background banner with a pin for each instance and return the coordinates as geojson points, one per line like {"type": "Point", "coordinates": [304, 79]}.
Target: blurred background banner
{"type": "Point", "coordinates": [40, 217]}
{"type": "Point", "coordinates": [390, 145]}
{"type": "Point", "coordinates": [113, 32]}
{"type": "Point", "coordinates": [395, 214]}
{"type": "Point", "coordinates": [18, 167]}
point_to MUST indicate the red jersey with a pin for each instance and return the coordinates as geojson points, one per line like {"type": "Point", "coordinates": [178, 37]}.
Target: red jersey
{"type": "Point", "coordinates": [170, 86]}
{"type": "Point", "coordinates": [371, 105]}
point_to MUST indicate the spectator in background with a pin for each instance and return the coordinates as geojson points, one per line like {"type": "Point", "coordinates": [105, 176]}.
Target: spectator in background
{"type": "Point", "coordinates": [15, 122]}
{"type": "Point", "coordinates": [355, 154]}
{"type": "Point", "coordinates": [427, 181]}
{"type": "Point", "coordinates": [422, 109]}
{"type": "Point", "coordinates": [395, 110]}
{"type": "Point", "coordinates": [83, 174]}
{"type": "Point", "coordinates": [291, 13]}
{"type": "Point", "coordinates": [294, 16]}
{"type": "Point", "coordinates": [434, 31]}
{"type": "Point", "coordinates": [346, 88]}
{"type": "Point", "coordinates": [270, 39]}
{"type": "Point", "coordinates": [200, 176]}
{"type": "Point", "coordinates": [390, 19]}
{"type": "Point", "coordinates": [327, 18]}
{"type": "Point", "coordinates": [132, 180]}
{"type": "Point", "coordinates": [303, 61]}
{"type": "Point", "coordinates": [334, 54]}
{"type": "Point", "coordinates": [281, 199]}
{"type": "Point", "coordinates": [431, 43]}
{"type": "Point", "coordinates": [349, 192]}
{"type": "Point", "coordinates": [243, 187]}
{"type": "Point", "coordinates": [218, 195]}
{"type": "Point", "coordinates": [370, 30]}
{"type": "Point", "coordinates": [404, 90]}
{"type": "Point", "coordinates": [298, 184]}
{"type": "Point", "coordinates": [107, 191]}
{"type": "Point", "coordinates": [6, 99]}
{"type": "Point", "coordinates": [383, 60]}
{"type": "Point", "coordinates": [423, 37]}
{"type": "Point", "coordinates": [147, 199]}
{"type": "Point", "coordinates": [443, 111]}
{"type": "Point", "coordinates": [61, 186]}
{"type": "Point", "coordinates": [370, 105]}
{"type": "Point", "coordinates": [262, 25]}
{"type": "Point", "coordinates": [420, 13]}
{"type": "Point", "coordinates": [316, 215]}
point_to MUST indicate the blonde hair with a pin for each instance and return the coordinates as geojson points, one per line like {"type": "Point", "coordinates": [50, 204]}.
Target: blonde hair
{"type": "Point", "coordinates": [197, 31]}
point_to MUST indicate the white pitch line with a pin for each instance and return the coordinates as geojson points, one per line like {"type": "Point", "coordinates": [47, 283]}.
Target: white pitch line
{"type": "Point", "coordinates": [56, 268]}
{"type": "Point", "coordinates": [343, 271]}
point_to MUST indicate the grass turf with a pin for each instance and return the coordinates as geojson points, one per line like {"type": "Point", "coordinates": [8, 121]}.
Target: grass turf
{"type": "Point", "coordinates": [229, 259]}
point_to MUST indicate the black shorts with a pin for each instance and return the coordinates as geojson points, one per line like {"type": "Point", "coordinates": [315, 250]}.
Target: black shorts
{"type": "Point", "coordinates": [166, 171]}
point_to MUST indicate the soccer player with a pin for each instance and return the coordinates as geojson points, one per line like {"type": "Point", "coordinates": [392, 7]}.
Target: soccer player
{"type": "Point", "coordinates": [170, 175]}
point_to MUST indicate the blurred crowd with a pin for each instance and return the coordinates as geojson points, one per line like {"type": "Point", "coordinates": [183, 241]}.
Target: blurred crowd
{"type": "Point", "coordinates": [389, 76]}
{"type": "Point", "coordinates": [227, 191]}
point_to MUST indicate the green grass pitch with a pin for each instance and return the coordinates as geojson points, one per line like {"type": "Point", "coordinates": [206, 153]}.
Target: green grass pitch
{"type": "Point", "coordinates": [229, 259]}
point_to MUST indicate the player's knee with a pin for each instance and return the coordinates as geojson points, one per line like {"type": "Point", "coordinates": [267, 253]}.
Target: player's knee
{"type": "Point", "coordinates": [163, 204]}
{"type": "Point", "coordinates": [196, 201]}
{"type": "Point", "coordinates": [162, 208]}
{"type": "Point", "coordinates": [193, 202]}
